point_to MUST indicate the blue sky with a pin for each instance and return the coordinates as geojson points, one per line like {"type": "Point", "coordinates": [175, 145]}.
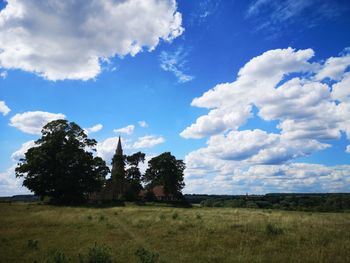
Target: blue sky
{"type": "Point", "coordinates": [253, 95]}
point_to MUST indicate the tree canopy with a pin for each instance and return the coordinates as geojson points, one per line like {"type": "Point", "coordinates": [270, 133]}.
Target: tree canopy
{"type": "Point", "coordinates": [61, 165]}
{"type": "Point", "coordinates": [167, 171]}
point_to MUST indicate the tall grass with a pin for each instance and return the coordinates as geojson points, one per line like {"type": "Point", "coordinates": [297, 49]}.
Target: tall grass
{"type": "Point", "coordinates": [30, 232]}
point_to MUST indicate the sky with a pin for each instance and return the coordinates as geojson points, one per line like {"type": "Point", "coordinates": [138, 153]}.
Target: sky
{"type": "Point", "coordinates": [253, 95]}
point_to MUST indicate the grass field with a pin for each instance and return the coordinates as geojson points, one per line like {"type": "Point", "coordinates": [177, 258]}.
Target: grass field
{"type": "Point", "coordinates": [31, 232]}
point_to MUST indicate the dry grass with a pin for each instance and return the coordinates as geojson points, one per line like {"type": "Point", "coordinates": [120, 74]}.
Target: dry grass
{"type": "Point", "coordinates": [30, 232]}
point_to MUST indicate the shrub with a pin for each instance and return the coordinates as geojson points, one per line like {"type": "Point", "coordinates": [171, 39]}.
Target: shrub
{"type": "Point", "coordinates": [33, 244]}
{"type": "Point", "coordinates": [98, 254]}
{"type": "Point", "coordinates": [272, 229]}
{"type": "Point", "coordinates": [57, 257]}
{"type": "Point", "coordinates": [102, 218]}
{"type": "Point", "coordinates": [146, 256]}
{"type": "Point", "coordinates": [175, 215]}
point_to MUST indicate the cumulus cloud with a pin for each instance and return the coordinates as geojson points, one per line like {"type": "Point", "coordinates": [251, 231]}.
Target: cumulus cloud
{"type": "Point", "coordinates": [10, 185]}
{"type": "Point", "coordinates": [19, 154]}
{"type": "Point", "coordinates": [32, 121]}
{"type": "Point", "coordinates": [334, 68]}
{"type": "Point", "coordinates": [348, 149]}
{"type": "Point", "coordinates": [143, 124]}
{"type": "Point", "coordinates": [4, 110]}
{"type": "Point", "coordinates": [148, 141]}
{"type": "Point", "coordinates": [127, 130]}
{"type": "Point", "coordinates": [283, 87]}
{"type": "Point", "coordinates": [68, 39]}
{"type": "Point", "coordinates": [106, 148]}
{"type": "Point", "coordinates": [261, 179]}
{"type": "Point", "coordinates": [94, 128]}
{"type": "Point", "coordinates": [176, 63]}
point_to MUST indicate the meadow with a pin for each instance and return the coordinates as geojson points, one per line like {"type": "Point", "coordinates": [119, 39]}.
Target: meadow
{"type": "Point", "coordinates": [31, 232]}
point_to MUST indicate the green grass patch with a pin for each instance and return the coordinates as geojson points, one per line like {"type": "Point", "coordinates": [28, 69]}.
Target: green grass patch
{"type": "Point", "coordinates": [42, 233]}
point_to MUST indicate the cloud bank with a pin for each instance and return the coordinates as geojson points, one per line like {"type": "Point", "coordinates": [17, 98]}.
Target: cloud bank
{"type": "Point", "coordinates": [68, 39]}
{"type": "Point", "coordinates": [281, 87]}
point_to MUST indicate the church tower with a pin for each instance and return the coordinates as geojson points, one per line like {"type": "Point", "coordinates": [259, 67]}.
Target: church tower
{"type": "Point", "coordinates": [118, 171]}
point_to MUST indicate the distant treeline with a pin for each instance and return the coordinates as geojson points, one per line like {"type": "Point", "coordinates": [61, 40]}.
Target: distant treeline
{"type": "Point", "coordinates": [287, 201]}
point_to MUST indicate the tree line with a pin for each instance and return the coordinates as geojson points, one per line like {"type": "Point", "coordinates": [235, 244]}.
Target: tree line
{"type": "Point", "coordinates": [320, 202]}
{"type": "Point", "coordinates": [64, 167]}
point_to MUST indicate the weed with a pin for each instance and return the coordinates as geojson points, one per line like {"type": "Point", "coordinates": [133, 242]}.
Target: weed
{"type": "Point", "coordinates": [57, 257]}
{"type": "Point", "coordinates": [89, 217]}
{"type": "Point", "coordinates": [97, 254]}
{"type": "Point", "coordinates": [175, 215]}
{"type": "Point", "coordinates": [33, 244]}
{"type": "Point", "coordinates": [198, 216]}
{"type": "Point", "coordinates": [272, 229]}
{"type": "Point", "coordinates": [102, 218]}
{"type": "Point", "coordinates": [162, 217]}
{"type": "Point", "coordinates": [146, 256]}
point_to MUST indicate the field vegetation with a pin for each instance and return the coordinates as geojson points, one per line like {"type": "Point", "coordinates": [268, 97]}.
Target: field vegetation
{"type": "Point", "coordinates": [34, 232]}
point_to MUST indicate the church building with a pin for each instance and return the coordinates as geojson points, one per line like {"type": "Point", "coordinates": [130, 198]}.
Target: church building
{"type": "Point", "coordinates": [114, 186]}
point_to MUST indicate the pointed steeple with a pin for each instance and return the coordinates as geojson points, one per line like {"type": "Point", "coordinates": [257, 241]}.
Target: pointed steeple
{"type": "Point", "coordinates": [119, 150]}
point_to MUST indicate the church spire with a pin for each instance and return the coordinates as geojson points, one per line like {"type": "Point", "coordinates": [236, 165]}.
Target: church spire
{"type": "Point", "coordinates": [119, 150]}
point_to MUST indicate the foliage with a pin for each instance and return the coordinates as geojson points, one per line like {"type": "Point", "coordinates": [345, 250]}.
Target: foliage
{"type": "Point", "coordinates": [133, 175]}
{"type": "Point", "coordinates": [272, 229]}
{"type": "Point", "coordinates": [146, 256]}
{"type": "Point", "coordinates": [59, 166]}
{"type": "Point", "coordinates": [98, 254]}
{"type": "Point", "coordinates": [57, 256]}
{"type": "Point", "coordinates": [301, 202]}
{"type": "Point", "coordinates": [165, 170]}
{"type": "Point", "coordinates": [33, 244]}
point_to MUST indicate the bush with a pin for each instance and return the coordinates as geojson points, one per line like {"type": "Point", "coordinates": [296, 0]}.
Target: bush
{"type": "Point", "coordinates": [57, 257]}
{"type": "Point", "coordinates": [33, 244]}
{"type": "Point", "coordinates": [273, 230]}
{"type": "Point", "coordinates": [146, 256]}
{"type": "Point", "coordinates": [175, 215]}
{"type": "Point", "coordinates": [98, 254]}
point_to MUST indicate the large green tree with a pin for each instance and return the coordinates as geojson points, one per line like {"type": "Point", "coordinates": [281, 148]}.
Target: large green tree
{"type": "Point", "coordinates": [167, 171]}
{"type": "Point", "coordinates": [61, 165]}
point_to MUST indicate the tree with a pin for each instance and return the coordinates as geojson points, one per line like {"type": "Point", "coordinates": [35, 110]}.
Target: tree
{"type": "Point", "coordinates": [133, 175]}
{"type": "Point", "coordinates": [165, 170]}
{"type": "Point", "coordinates": [60, 165]}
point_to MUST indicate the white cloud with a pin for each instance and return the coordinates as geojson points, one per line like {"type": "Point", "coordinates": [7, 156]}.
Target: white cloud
{"type": "Point", "coordinates": [341, 90]}
{"type": "Point", "coordinates": [260, 179]}
{"type": "Point", "coordinates": [305, 111]}
{"type": "Point", "coordinates": [67, 39]}
{"type": "Point", "coordinates": [10, 185]}
{"type": "Point", "coordinates": [348, 149]}
{"type": "Point", "coordinates": [127, 130]}
{"type": "Point", "coordinates": [148, 141]}
{"type": "Point", "coordinates": [4, 110]}
{"type": "Point", "coordinates": [334, 68]}
{"type": "Point", "coordinates": [32, 121]}
{"type": "Point", "coordinates": [175, 63]}
{"type": "Point", "coordinates": [143, 124]}
{"type": "Point", "coordinates": [19, 154]}
{"type": "Point", "coordinates": [106, 149]}
{"type": "Point", "coordinates": [3, 74]}
{"type": "Point", "coordinates": [94, 128]}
